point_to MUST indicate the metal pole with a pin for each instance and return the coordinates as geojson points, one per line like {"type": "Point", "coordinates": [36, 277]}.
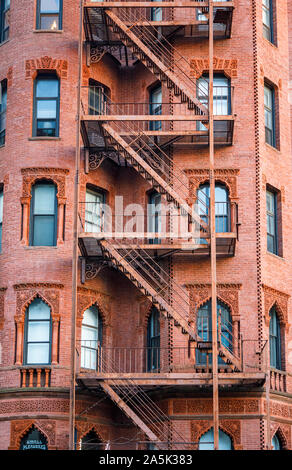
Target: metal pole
{"type": "Point", "coordinates": [268, 403]}
{"type": "Point", "coordinates": [213, 236]}
{"type": "Point", "coordinates": [75, 242]}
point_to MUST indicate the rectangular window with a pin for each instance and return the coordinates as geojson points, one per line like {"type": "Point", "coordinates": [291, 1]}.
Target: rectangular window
{"type": "Point", "coordinates": [1, 217]}
{"type": "Point", "coordinates": [154, 216]}
{"type": "Point", "coordinates": [49, 14]}
{"type": "Point", "coordinates": [94, 211]}
{"type": "Point", "coordinates": [3, 108]}
{"type": "Point", "coordinates": [43, 215]}
{"type": "Point", "coordinates": [272, 226]}
{"type": "Point", "coordinates": [221, 96]}
{"type": "Point", "coordinates": [268, 20]}
{"type": "Point", "coordinates": [4, 20]}
{"type": "Point", "coordinates": [46, 106]}
{"type": "Point", "coordinates": [97, 100]}
{"type": "Point", "coordinates": [156, 108]}
{"type": "Point", "coordinates": [269, 103]}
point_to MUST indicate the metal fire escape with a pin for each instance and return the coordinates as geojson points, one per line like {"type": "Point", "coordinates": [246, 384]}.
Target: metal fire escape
{"type": "Point", "coordinates": [145, 31]}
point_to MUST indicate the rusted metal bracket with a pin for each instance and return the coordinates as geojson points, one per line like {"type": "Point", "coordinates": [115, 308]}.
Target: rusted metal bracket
{"type": "Point", "coordinates": [91, 269]}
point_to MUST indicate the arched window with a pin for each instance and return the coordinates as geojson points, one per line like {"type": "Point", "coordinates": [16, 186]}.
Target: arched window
{"type": "Point", "coordinates": [204, 329]}
{"type": "Point", "coordinates": [91, 337]}
{"type": "Point", "coordinates": [37, 333]}
{"type": "Point", "coordinates": [46, 106]}
{"type": "Point", "coordinates": [276, 444]}
{"type": "Point", "coordinates": [275, 340]}
{"type": "Point", "coordinates": [153, 341]}
{"type": "Point", "coordinates": [91, 442]}
{"type": "Point", "coordinates": [207, 441]}
{"type": "Point", "coordinates": [33, 440]}
{"type": "Point", "coordinates": [222, 205]}
{"type": "Point", "coordinates": [43, 215]}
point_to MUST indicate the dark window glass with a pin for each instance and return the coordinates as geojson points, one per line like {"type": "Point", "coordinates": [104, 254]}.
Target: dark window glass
{"type": "Point", "coordinates": [154, 216]}
{"type": "Point", "coordinates": [34, 440]}
{"type": "Point", "coordinates": [46, 106]}
{"type": "Point", "coordinates": [37, 335]}
{"type": "Point", "coordinates": [153, 341]}
{"type": "Point", "coordinates": [204, 329]}
{"type": "Point", "coordinates": [269, 103]}
{"type": "Point", "coordinates": [49, 14]}
{"type": "Point", "coordinates": [4, 20]}
{"type": "Point", "coordinates": [275, 340]}
{"type": "Point", "coordinates": [91, 442]}
{"type": "Point", "coordinates": [1, 217]}
{"type": "Point", "coordinates": [156, 107]}
{"type": "Point", "coordinates": [272, 243]}
{"type": "Point", "coordinates": [3, 108]}
{"type": "Point", "coordinates": [276, 443]}
{"type": "Point", "coordinates": [91, 338]}
{"type": "Point", "coordinates": [43, 215]}
{"type": "Point", "coordinates": [268, 19]}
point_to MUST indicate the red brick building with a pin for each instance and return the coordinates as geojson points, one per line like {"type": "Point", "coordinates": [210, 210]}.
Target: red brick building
{"type": "Point", "coordinates": [143, 317]}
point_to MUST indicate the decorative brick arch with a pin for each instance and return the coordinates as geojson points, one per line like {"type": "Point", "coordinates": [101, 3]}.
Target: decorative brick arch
{"type": "Point", "coordinates": [83, 428]}
{"type": "Point", "coordinates": [227, 66]}
{"type": "Point", "coordinates": [32, 66]}
{"type": "Point", "coordinates": [279, 300]}
{"type": "Point", "coordinates": [20, 428]}
{"type": "Point", "coordinates": [25, 294]}
{"type": "Point", "coordinates": [86, 298]}
{"type": "Point", "coordinates": [231, 427]}
{"type": "Point", "coordinates": [283, 433]}
{"type": "Point", "coordinates": [30, 177]}
{"type": "Point", "coordinates": [200, 176]}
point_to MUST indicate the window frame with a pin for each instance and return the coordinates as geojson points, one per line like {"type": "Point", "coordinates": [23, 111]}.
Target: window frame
{"type": "Point", "coordinates": [39, 16]}
{"type": "Point", "coordinates": [99, 192]}
{"type": "Point", "coordinates": [272, 111]}
{"type": "Point", "coordinates": [269, 29]}
{"type": "Point", "coordinates": [275, 223]}
{"type": "Point", "coordinates": [32, 215]}
{"type": "Point", "coordinates": [99, 340]}
{"type": "Point", "coordinates": [276, 340]}
{"type": "Point", "coordinates": [45, 76]}
{"type": "Point", "coordinates": [3, 112]}
{"type": "Point", "coordinates": [153, 359]}
{"type": "Point", "coordinates": [4, 32]}
{"type": "Point", "coordinates": [154, 215]}
{"type": "Point", "coordinates": [1, 215]}
{"type": "Point", "coordinates": [155, 125]}
{"type": "Point", "coordinates": [26, 342]}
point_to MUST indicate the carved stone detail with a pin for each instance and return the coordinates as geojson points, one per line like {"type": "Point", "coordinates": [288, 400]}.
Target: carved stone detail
{"type": "Point", "coordinates": [84, 428]}
{"type": "Point", "coordinates": [26, 293]}
{"type": "Point", "coordinates": [201, 176]}
{"type": "Point", "coordinates": [46, 63]}
{"type": "Point", "coordinates": [227, 293]}
{"type": "Point", "coordinates": [228, 66]}
{"type": "Point", "coordinates": [230, 427]}
{"type": "Point", "coordinates": [283, 432]}
{"type": "Point", "coordinates": [57, 175]}
{"type": "Point", "coordinates": [20, 427]}
{"type": "Point", "coordinates": [279, 300]}
{"type": "Point", "coordinates": [2, 294]}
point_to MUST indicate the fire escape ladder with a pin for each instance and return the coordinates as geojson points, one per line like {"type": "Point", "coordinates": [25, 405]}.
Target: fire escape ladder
{"type": "Point", "coordinates": [158, 55]}
{"type": "Point", "coordinates": [230, 359]}
{"type": "Point", "coordinates": [158, 170]}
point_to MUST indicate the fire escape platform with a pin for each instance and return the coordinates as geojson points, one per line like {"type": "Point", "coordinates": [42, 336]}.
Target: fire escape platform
{"type": "Point", "coordinates": [225, 243]}
{"type": "Point", "coordinates": [92, 380]}
{"type": "Point", "coordinates": [170, 23]}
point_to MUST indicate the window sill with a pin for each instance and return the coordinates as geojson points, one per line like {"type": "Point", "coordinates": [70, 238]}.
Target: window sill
{"type": "Point", "coordinates": [44, 138]}
{"type": "Point", "coordinates": [271, 43]}
{"type": "Point", "coordinates": [270, 147]}
{"type": "Point", "coordinates": [41, 247]}
{"type": "Point", "coordinates": [275, 256]}
{"type": "Point", "coordinates": [2, 146]}
{"type": "Point", "coordinates": [55, 31]}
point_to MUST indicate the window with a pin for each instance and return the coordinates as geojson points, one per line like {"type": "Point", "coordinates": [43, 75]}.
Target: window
{"type": "Point", "coordinates": [3, 107]}
{"type": "Point", "coordinates": [268, 29]}
{"type": "Point", "coordinates": [91, 442]}
{"type": "Point", "coordinates": [49, 14]}
{"type": "Point", "coordinates": [43, 226]}
{"type": "Point", "coordinates": [272, 226]}
{"type": "Point", "coordinates": [221, 96]}
{"type": "Point", "coordinates": [222, 206]}
{"type": "Point", "coordinates": [156, 13]}
{"type": "Point", "coordinates": [4, 20]}
{"type": "Point", "coordinates": [270, 119]}
{"type": "Point", "coordinates": [275, 340]}
{"type": "Point", "coordinates": [1, 217]}
{"type": "Point", "coordinates": [33, 440]}
{"type": "Point", "coordinates": [204, 329]}
{"type": "Point", "coordinates": [276, 443]}
{"type": "Point", "coordinates": [91, 337]}
{"type": "Point", "coordinates": [37, 334]}
{"type": "Point", "coordinates": [94, 202]}
{"type": "Point", "coordinates": [154, 216]}
{"type": "Point", "coordinates": [98, 95]}
{"type": "Point", "coordinates": [153, 341]}
{"type": "Point", "coordinates": [155, 107]}
{"type": "Point", "coordinates": [46, 106]}
{"type": "Point", "coordinates": [206, 442]}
